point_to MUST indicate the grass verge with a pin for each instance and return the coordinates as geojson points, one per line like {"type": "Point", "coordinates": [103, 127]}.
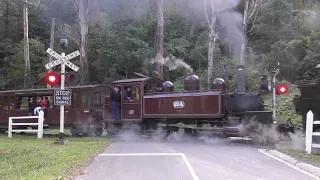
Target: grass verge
{"type": "Point", "coordinates": [313, 159]}
{"type": "Point", "coordinates": [25, 158]}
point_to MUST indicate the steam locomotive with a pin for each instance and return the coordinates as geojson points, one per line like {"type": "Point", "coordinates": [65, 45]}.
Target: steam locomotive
{"type": "Point", "coordinates": [156, 106]}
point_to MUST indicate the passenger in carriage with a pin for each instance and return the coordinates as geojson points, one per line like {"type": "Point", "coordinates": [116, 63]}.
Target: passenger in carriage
{"type": "Point", "coordinates": [31, 106]}
{"type": "Point", "coordinates": [44, 103]}
{"type": "Point", "coordinates": [38, 103]}
{"type": "Point", "coordinates": [115, 98]}
{"type": "Point", "coordinates": [37, 110]}
{"type": "Point", "coordinates": [48, 102]}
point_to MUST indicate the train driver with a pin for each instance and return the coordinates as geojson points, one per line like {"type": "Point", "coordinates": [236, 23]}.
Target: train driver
{"type": "Point", "coordinates": [115, 98]}
{"type": "Point", "coordinates": [127, 94]}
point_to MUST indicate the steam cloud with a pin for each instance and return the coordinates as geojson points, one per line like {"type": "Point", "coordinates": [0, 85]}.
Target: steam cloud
{"type": "Point", "coordinates": [230, 26]}
{"type": "Point", "coordinates": [173, 63]}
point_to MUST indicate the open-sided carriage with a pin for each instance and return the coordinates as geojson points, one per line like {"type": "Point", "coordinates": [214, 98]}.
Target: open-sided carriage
{"type": "Point", "coordinates": [82, 116]}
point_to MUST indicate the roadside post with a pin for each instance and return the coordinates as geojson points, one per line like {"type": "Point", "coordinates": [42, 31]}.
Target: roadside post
{"type": "Point", "coordinates": [62, 96]}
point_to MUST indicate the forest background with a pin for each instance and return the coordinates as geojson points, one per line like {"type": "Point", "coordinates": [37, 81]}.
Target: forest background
{"type": "Point", "coordinates": [121, 37]}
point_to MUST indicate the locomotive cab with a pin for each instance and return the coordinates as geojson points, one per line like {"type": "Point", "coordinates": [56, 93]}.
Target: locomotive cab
{"type": "Point", "coordinates": [132, 94]}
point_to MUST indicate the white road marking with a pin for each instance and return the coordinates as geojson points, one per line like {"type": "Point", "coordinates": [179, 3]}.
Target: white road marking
{"type": "Point", "coordinates": [143, 154]}
{"type": "Point", "coordinates": [263, 151]}
{"type": "Point", "coordinates": [191, 170]}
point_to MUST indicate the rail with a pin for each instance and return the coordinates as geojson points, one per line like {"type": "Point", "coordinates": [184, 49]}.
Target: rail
{"type": "Point", "coordinates": [309, 132]}
{"type": "Point", "coordinates": [39, 124]}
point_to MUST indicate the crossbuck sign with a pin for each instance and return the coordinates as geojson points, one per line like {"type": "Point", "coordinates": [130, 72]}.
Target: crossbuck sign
{"type": "Point", "coordinates": [64, 61]}
{"type": "Point", "coordinates": [61, 60]}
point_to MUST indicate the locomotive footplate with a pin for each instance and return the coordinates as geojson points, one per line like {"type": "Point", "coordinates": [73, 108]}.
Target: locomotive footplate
{"type": "Point", "coordinates": [194, 128]}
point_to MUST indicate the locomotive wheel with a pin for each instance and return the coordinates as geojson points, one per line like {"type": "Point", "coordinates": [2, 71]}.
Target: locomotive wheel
{"type": "Point", "coordinates": [75, 132]}
{"type": "Point", "coordinates": [97, 132]}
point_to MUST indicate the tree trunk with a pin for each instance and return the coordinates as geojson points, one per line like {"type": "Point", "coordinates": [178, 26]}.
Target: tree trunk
{"type": "Point", "coordinates": [6, 19]}
{"type": "Point", "coordinates": [244, 30]}
{"type": "Point", "coordinates": [83, 24]}
{"type": "Point", "coordinates": [27, 76]}
{"type": "Point", "coordinates": [159, 50]}
{"type": "Point", "coordinates": [210, 58]}
{"type": "Point", "coordinates": [53, 24]}
{"type": "Point", "coordinates": [211, 42]}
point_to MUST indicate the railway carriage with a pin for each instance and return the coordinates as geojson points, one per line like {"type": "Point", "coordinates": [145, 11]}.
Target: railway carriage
{"type": "Point", "coordinates": [87, 103]}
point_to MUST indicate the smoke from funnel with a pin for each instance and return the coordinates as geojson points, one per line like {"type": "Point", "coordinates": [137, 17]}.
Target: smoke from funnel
{"type": "Point", "coordinates": [229, 30]}
{"type": "Point", "coordinates": [173, 63]}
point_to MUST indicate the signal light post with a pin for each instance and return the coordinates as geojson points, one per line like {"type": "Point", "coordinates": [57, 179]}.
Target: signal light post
{"type": "Point", "coordinates": [280, 89]}
{"type": "Point", "coordinates": [274, 93]}
{"type": "Point", "coordinates": [63, 60]}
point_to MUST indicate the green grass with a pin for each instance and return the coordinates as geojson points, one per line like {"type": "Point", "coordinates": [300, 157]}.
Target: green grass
{"type": "Point", "coordinates": [25, 157]}
{"type": "Point", "coordinates": [313, 159]}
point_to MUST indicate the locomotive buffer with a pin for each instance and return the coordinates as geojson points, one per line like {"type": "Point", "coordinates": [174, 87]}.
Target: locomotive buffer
{"type": "Point", "coordinates": [63, 60]}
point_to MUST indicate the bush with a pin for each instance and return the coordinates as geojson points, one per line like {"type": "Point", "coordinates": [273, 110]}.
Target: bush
{"type": "Point", "coordinates": [285, 109]}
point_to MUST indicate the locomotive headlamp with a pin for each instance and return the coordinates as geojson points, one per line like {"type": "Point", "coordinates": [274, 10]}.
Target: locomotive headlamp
{"type": "Point", "coordinates": [265, 84]}
{"type": "Point", "coordinates": [64, 44]}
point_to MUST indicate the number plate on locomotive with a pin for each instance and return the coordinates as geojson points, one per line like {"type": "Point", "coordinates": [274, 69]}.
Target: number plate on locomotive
{"type": "Point", "coordinates": [178, 104]}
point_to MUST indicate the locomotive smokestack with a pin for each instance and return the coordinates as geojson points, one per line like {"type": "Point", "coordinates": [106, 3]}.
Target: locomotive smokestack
{"type": "Point", "coordinates": [241, 77]}
{"type": "Point", "coordinates": [241, 86]}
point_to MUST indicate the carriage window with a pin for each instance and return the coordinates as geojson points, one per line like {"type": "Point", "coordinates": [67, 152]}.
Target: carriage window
{"type": "Point", "coordinates": [8, 103]}
{"type": "Point", "coordinates": [131, 93]}
{"type": "Point", "coordinates": [97, 98]}
{"type": "Point", "coordinates": [85, 101]}
{"type": "Point", "coordinates": [22, 102]}
{"type": "Point", "coordinates": [12, 102]}
{"type": "Point", "coordinates": [103, 95]}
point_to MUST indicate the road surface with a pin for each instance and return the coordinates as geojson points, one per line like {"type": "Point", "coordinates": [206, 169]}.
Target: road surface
{"type": "Point", "coordinates": [142, 159]}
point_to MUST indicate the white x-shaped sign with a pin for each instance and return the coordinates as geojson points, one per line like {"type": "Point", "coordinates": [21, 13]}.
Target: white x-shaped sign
{"type": "Point", "coordinates": [61, 59]}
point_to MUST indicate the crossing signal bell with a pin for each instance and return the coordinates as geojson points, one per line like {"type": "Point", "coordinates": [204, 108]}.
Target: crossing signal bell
{"type": "Point", "coordinates": [52, 78]}
{"type": "Point", "coordinates": [282, 89]}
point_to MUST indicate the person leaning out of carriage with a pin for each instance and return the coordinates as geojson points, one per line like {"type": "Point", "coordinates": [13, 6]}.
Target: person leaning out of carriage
{"type": "Point", "coordinates": [115, 98]}
{"type": "Point", "coordinates": [31, 106]}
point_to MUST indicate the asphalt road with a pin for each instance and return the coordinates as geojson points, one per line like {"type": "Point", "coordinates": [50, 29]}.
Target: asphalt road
{"type": "Point", "coordinates": [133, 158]}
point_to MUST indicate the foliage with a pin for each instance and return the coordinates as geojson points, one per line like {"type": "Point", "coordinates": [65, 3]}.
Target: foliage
{"type": "Point", "coordinates": [122, 40]}
{"type": "Point", "coordinates": [285, 109]}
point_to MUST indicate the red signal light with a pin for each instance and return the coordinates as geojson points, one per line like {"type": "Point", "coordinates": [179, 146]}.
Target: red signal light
{"type": "Point", "coordinates": [282, 89]}
{"type": "Point", "coordinates": [52, 79]}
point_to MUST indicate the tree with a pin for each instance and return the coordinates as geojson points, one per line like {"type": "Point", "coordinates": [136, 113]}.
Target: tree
{"type": "Point", "coordinates": [27, 80]}
{"type": "Point", "coordinates": [82, 8]}
{"type": "Point", "coordinates": [159, 43]}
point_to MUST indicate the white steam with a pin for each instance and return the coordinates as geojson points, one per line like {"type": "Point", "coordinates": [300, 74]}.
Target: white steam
{"type": "Point", "coordinates": [173, 63]}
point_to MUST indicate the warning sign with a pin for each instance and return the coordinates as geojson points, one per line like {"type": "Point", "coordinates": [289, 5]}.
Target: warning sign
{"type": "Point", "coordinates": [62, 97]}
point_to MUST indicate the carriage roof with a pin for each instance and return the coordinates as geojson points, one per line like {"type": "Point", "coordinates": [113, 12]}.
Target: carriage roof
{"type": "Point", "coordinates": [133, 80]}
{"type": "Point", "coordinates": [47, 90]}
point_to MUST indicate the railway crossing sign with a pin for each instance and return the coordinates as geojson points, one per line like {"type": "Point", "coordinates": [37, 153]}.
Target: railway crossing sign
{"type": "Point", "coordinates": [62, 97]}
{"type": "Point", "coordinates": [61, 60]}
